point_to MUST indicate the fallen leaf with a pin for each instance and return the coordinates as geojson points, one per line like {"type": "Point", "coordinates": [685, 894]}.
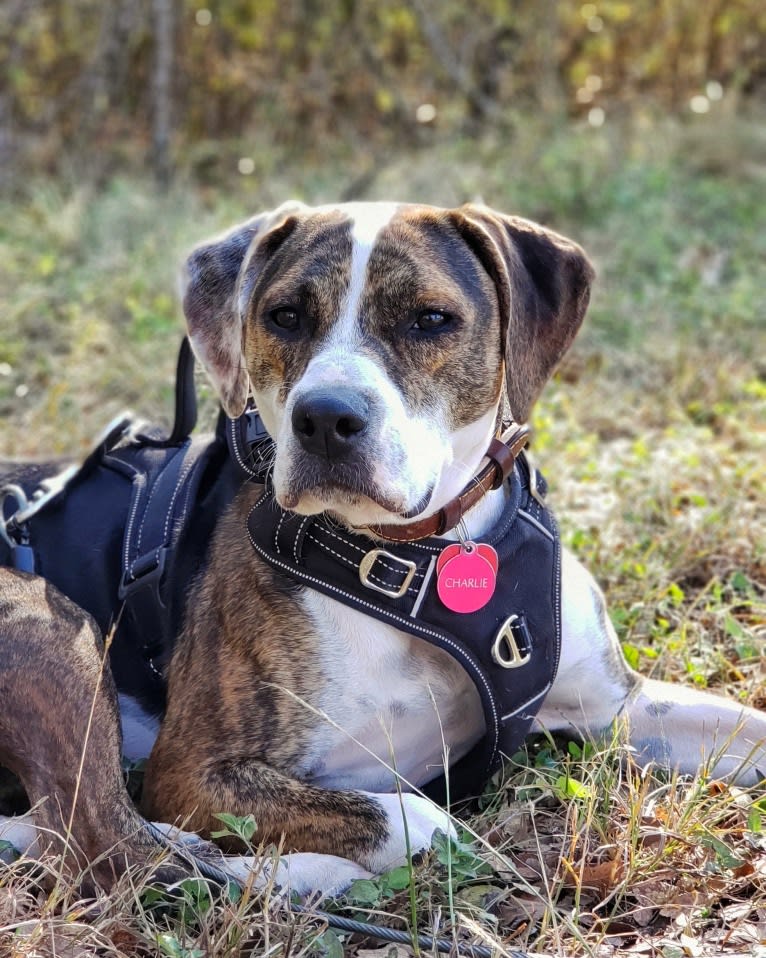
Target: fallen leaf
{"type": "Point", "coordinates": [679, 906]}
{"type": "Point", "coordinates": [602, 877]}
{"type": "Point", "coordinates": [644, 917]}
{"type": "Point", "coordinates": [691, 946]}
{"type": "Point", "coordinates": [520, 909]}
{"type": "Point", "coordinates": [58, 940]}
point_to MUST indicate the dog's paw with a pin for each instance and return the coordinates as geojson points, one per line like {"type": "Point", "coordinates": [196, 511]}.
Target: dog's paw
{"type": "Point", "coordinates": [20, 831]}
{"type": "Point", "coordinates": [424, 817]}
{"type": "Point", "coordinates": [299, 873]}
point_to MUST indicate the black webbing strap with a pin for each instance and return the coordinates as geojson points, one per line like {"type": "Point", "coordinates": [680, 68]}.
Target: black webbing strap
{"type": "Point", "coordinates": [186, 396]}
{"type": "Point", "coordinates": [185, 414]}
{"type": "Point", "coordinates": [161, 500]}
{"type": "Point", "coordinates": [166, 480]}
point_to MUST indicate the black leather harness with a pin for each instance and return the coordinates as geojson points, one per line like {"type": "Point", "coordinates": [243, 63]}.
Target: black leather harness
{"type": "Point", "coordinates": [128, 532]}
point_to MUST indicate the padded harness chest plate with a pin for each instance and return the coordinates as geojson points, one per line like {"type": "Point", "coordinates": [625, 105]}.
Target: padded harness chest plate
{"type": "Point", "coordinates": [510, 648]}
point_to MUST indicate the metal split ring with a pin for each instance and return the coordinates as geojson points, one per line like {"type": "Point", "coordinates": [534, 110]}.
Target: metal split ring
{"type": "Point", "coordinates": [11, 491]}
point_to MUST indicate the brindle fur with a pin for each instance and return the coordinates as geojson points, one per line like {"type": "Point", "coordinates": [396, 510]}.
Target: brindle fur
{"type": "Point", "coordinates": [60, 732]}
{"type": "Point", "coordinates": [232, 737]}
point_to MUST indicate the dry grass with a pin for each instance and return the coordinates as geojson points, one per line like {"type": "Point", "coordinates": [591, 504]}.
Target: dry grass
{"type": "Point", "coordinates": [653, 443]}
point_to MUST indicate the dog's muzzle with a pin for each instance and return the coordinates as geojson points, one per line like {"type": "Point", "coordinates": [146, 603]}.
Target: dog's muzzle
{"type": "Point", "coordinates": [333, 429]}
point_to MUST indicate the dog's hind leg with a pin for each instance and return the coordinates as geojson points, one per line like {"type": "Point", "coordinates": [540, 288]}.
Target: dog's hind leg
{"type": "Point", "coordinates": [672, 726]}
{"type": "Point", "coordinates": [689, 729]}
{"type": "Point", "coordinates": [60, 732]}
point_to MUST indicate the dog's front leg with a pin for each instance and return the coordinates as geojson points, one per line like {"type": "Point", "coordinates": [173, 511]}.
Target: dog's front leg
{"type": "Point", "coordinates": [60, 732]}
{"type": "Point", "coordinates": [240, 734]}
{"type": "Point", "coordinates": [365, 828]}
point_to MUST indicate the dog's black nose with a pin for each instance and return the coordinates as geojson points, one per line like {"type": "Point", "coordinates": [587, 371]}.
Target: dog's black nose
{"type": "Point", "coordinates": [330, 423]}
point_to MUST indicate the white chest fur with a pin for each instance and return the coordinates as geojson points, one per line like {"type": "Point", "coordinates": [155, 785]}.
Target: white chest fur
{"type": "Point", "coordinates": [389, 699]}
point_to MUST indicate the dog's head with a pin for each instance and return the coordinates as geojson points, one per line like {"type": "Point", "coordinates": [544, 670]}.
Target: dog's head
{"type": "Point", "coordinates": [376, 339]}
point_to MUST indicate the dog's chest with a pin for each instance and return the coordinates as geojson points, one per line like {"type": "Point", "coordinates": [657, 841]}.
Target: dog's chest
{"type": "Point", "coordinates": [388, 700]}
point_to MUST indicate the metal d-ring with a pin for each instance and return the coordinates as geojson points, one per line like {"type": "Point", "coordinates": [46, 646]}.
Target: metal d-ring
{"type": "Point", "coordinates": [506, 650]}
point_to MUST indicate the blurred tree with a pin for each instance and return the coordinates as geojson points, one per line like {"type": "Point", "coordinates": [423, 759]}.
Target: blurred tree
{"type": "Point", "coordinates": [163, 16]}
{"type": "Point", "coordinates": [111, 82]}
{"type": "Point", "coordinates": [10, 21]}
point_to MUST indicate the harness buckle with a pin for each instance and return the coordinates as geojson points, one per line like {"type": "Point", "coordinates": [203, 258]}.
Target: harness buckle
{"type": "Point", "coordinates": [146, 570]}
{"type": "Point", "coordinates": [394, 592]}
{"type": "Point", "coordinates": [512, 647]}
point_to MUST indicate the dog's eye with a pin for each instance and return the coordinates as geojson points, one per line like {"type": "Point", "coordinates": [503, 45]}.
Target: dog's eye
{"type": "Point", "coordinates": [285, 318]}
{"type": "Point", "coordinates": [430, 320]}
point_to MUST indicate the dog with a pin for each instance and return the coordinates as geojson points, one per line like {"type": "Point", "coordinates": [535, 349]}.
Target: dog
{"type": "Point", "coordinates": [389, 349]}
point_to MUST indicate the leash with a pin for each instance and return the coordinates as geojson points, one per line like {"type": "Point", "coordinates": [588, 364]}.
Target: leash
{"type": "Point", "coordinates": [223, 879]}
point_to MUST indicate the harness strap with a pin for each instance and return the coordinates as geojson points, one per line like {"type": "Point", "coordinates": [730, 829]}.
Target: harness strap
{"type": "Point", "coordinates": [164, 489]}
{"type": "Point", "coordinates": [185, 412]}
{"type": "Point", "coordinates": [161, 497]}
{"type": "Point", "coordinates": [186, 396]}
{"type": "Point", "coordinates": [251, 448]}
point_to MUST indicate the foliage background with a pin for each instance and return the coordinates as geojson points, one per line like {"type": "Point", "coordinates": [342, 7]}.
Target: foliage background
{"type": "Point", "coordinates": [98, 84]}
{"type": "Point", "coordinates": [130, 130]}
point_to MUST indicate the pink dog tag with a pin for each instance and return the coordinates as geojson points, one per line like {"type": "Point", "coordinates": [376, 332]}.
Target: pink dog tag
{"type": "Point", "coordinates": [466, 576]}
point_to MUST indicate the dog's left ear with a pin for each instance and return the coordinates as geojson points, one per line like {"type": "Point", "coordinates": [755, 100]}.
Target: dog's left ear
{"type": "Point", "coordinates": [543, 285]}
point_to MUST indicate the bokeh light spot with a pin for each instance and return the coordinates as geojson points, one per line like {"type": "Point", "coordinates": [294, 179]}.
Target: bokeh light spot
{"type": "Point", "coordinates": [596, 116]}
{"type": "Point", "coordinates": [714, 90]}
{"type": "Point", "coordinates": [699, 104]}
{"type": "Point", "coordinates": [425, 113]}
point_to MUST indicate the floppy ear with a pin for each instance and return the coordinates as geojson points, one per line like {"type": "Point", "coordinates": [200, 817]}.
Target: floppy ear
{"type": "Point", "coordinates": [543, 285]}
{"type": "Point", "coordinates": [209, 285]}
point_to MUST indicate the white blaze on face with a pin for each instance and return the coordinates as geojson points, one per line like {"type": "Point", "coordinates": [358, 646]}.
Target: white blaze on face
{"type": "Point", "coordinates": [368, 220]}
{"type": "Point", "coordinates": [339, 363]}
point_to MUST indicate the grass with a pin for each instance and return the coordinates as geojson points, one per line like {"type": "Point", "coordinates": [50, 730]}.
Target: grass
{"type": "Point", "coordinates": [652, 439]}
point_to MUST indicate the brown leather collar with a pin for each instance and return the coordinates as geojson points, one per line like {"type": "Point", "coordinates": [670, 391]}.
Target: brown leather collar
{"type": "Point", "coordinates": [502, 454]}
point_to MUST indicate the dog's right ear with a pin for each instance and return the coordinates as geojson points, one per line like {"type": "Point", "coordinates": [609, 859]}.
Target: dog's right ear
{"type": "Point", "coordinates": [209, 285]}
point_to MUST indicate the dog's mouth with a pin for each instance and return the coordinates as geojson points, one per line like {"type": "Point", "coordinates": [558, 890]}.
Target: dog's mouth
{"type": "Point", "coordinates": [340, 487]}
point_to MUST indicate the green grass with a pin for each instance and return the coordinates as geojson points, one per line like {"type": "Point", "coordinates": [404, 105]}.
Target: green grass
{"type": "Point", "coordinates": [651, 437]}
